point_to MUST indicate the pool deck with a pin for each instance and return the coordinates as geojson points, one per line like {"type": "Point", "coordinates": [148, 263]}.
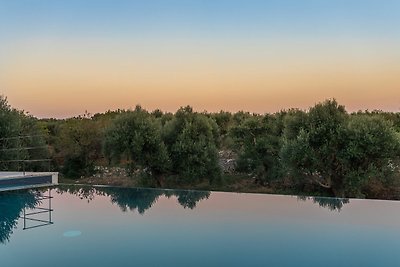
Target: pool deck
{"type": "Point", "coordinates": [20, 180]}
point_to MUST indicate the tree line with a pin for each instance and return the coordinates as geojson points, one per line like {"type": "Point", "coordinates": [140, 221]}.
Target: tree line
{"type": "Point", "coordinates": [323, 150]}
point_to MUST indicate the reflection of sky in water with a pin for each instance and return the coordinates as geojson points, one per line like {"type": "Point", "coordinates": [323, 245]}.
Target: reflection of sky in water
{"type": "Point", "coordinates": [222, 229]}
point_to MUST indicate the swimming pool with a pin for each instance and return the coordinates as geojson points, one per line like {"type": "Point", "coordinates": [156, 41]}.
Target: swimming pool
{"type": "Point", "coordinates": [87, 226]}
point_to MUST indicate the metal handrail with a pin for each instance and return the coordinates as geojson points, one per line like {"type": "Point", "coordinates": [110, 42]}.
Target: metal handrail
{"type": "Point", "coordinates": [21, 137]}
{"type": "Point", "coordinates": [23, 148]}
{"type": "Point", "coordinates": [26, 160]}
{"type": "Point", "coordinates": [20, 158]}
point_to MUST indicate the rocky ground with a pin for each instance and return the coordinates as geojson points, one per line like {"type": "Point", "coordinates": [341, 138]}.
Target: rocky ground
{"type": "Point", "coordinates": [227, 161]}
{"type": "Point", "coordinates": [118, 176]}
{"type": "Point", "coordinates": [109, 175]}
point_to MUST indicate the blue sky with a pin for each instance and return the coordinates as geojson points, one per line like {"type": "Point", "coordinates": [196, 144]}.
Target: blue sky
{"type": "Point", "coordinates": [255, 55]}
{"type": "Point", "coordinates": [207, 18]}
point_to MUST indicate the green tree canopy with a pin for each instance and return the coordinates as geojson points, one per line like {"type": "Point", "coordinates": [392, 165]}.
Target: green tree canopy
{"type": "Point", "coordinates": [191, 139]}
{"type": "Point", "coordinates": [78, 146]}
{"type": "Point", "coordinates": [339, 152]}
{"type": "Point", "coordinates": [257, 140]}
{"type": "Point", "coordinates": [21, 138]}
{"type": "Point", "coordinates": [137, 136]}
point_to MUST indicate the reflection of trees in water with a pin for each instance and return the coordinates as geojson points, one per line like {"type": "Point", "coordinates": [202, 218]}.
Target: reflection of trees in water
{"type": "Point", "coordinates": [83, 192]}
{"type": "Point", "coordinates": [333, 204]}
{"type": "Point", "coordinates": [134, 198]}
{"type": "Point", "coordinates": [190, 198]}
{"type": "Point", "coordinates": [11, 206]}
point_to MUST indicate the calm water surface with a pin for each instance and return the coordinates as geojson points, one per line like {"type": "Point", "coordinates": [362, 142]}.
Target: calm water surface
{"type": "Point", "coordinates": [86, 226]}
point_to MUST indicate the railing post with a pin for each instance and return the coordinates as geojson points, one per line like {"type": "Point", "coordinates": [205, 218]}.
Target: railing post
{"type": "Point", "coordinates": [49, 205]}
{"type": "Point", "coordinates": [24, 218]}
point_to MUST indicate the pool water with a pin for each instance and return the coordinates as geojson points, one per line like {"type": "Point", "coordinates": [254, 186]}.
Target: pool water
{"type": "Point", "coordinates": [87, 226]}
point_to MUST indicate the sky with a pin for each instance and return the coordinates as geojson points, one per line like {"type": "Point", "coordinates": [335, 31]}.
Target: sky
{"type": "Point", "coordinates": [62, 58]}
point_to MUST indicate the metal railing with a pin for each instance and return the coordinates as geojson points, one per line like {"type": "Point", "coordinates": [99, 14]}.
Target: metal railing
{"type": "Point", "coordinates": [21, 163]}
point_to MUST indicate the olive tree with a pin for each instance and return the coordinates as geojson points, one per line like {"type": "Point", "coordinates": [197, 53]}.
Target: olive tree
{"type": "Point", "coordinates": [257, 140]}
{"type": "Point", "coordinates": [191, 141]}
{"type": "Point", "coordinates": [339, 152]}
{"type": "Point", "coordinates": [136, 136]}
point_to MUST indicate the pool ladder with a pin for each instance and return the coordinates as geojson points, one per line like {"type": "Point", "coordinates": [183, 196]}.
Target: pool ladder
{"type": "Point", "coordinates": [32, 215]}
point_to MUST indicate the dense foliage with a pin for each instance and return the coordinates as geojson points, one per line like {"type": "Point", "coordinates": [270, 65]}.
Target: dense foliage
{"type": "Point", "coordinates": [22, 140]}
{"type": "Point", "coordinates": [184, 145]}
{"type": "Point", "coordinates": [191, 141]}
{"type": "Point", "coordinates": [323, 150]}
{"type": "Point", "coordinates": [136, 136]}
{"type": "Point", "coordinates": [341, 152]}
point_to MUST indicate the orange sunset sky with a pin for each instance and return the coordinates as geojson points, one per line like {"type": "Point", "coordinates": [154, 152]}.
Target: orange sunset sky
{"type": "Point", "coordinates": [60, 58]}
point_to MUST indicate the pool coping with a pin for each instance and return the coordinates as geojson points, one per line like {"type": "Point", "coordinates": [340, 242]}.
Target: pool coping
{"type": "Point", "coordinates": [26, 180]}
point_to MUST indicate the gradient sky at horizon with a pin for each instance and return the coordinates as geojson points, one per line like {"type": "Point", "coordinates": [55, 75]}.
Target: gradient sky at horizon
{"type": "Point", "coordinates": [60, 58]}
